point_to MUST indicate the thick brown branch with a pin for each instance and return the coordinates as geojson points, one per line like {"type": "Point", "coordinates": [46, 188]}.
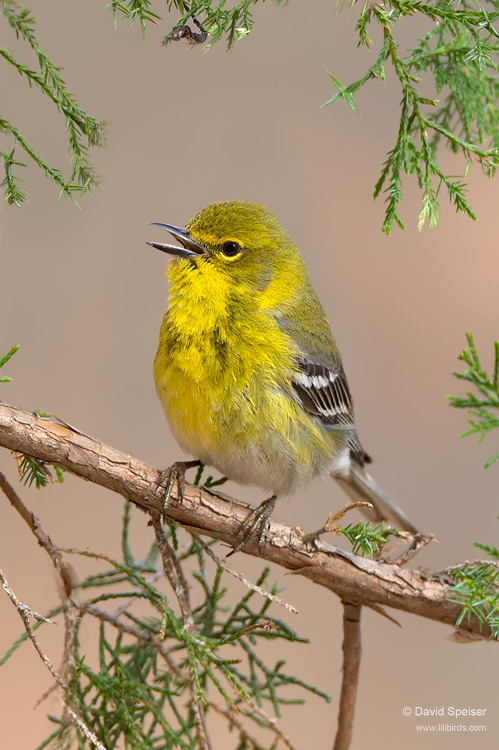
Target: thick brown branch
{"type": "Point", "coordinates": [351, 667]}
{"type": "Point", "coordinates": [354, 579]}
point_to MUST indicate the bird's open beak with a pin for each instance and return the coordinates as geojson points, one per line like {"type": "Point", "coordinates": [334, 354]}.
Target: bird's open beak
{"type": "Point", "coordinates": [189, 249]}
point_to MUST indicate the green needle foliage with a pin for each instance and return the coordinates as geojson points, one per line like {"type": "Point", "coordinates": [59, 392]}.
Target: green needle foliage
{"type": "Point", "coordinates": [477, 584]}
{"type": "Point", "coordinates": [33, 471]}
{"type": "Point", "coordinates": [140, 684]}
{"type": "Point", "coordinates": [491, 551]}
{"type": "Point", "coordinates": [367, 540]}
{"type": "Point", "coordinates": [4, 360]}
{"type": "Point", "coordinates": [220, 22]}
{"type": "Point", "coordinates": [483, 405]}
{"type": "Point", "coordinates": [477, 589]}
{"type": "Point", "coordinates": [449, 85]}
{"type": "Point", "coordinates": [83, 131]}
{"type": "Point", "coordinates": [135, 11]}
{"type": "Point", "coordinates": [458, 57]}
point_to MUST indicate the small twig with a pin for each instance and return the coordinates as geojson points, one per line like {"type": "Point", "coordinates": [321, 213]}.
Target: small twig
{"type": "Point", "coordinates": [236, 574]}
{"type": "Point", "coordinates": [63, 569]}
{"type": "Point", "coordinates": [23, 614]}
{"type": "Point", "coordinates": [232, 719]}
{"type": "Point", "coordinates": [175, 574]}
{"type": "Point", "coordinates": [382, 611]}
{"type": "Point", "coordinates": [200, 721]}
{"type": "Point", "coordinates": [83, 727]}
{"type": "Point", "coordinates": [140, 589]}
{"type": "Point", "coordinates": [351, 666]}
{"type": "Point", "coordinates": [145, 636]}
{"type": "Point", "coordinates": [19, 605]}
{"type": "Point", "coordinates": [418, 542]}
{"type": "Point", "coordinates": [331, 524]}
{"type": "Point", "coordinates": [44, 540]}
{"type": "Point", "coordinates": [272, 724]}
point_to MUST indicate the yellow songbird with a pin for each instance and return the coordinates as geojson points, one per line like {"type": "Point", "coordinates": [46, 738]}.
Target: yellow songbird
{"type": "Point", "coordinates": [247, 369]}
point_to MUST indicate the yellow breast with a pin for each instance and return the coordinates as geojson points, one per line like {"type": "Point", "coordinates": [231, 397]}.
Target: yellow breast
{"type": "Point", "coordinates": [223, 373]}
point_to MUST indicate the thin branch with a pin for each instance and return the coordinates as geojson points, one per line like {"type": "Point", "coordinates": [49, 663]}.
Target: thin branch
{"type": "Point", "coordinates": [44, 540]}
{"type": "Point", "coordinates": [63, 569]}
{"type": "Point", "coordinates": [351, 666]}
{"type": "Point", "coordinates": [175, 574]}
{"type": "Point", "coordinates": [418, 543]}
{"type": "Point", "coordinates": [83, 728]}
{"type": "Point", "coordinates": [254, 708]}
{"type": "Point", "coordinates": [234, 721]}
{"type": "Point", "coordinates": [350, 577]}
{"type": "Point", "coordinates": [23, 611]}
{"type": "Point", "coordinates": [19, 605]}
{"type": "Point", "coordinates": [240, 577]}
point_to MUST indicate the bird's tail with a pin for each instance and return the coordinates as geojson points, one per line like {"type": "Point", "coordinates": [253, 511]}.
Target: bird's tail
{"type": "Point", "coordinates": [359, 485]}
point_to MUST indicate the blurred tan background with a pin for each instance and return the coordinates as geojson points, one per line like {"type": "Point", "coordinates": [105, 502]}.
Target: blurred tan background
{"type": "Point", "coordinates": [84, 295]}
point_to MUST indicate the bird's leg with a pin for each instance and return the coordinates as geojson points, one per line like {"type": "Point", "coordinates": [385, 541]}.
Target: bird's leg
{"type": "Point", "coordinates": [258, 519]}
{"type": "Point", "coordinates": [175, 474]}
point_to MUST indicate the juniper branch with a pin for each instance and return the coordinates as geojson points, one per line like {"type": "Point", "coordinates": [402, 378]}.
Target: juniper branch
{"type": "Point", "coordinates": [482, 404]}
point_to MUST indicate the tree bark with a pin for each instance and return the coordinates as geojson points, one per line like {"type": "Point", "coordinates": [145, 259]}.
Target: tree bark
{"type": "Point", "coordinates": [355, 579]}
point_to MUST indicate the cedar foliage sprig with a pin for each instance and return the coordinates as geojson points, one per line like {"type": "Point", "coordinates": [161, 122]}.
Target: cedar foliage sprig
{"type": "Point", "coordinates": [460, 52]}
{"type": "Point", "coordinates": [483, 406]}
{"type": "Point", "coordinates": [220, 22]}
{"type": "Point", "coordinates": [367, 539]}
{"type": "Point", "coordinates": [477, 589]}
{"type": "Point", "coordinates": [37, 472]}
{"type": "Point", "coordinates": [83, 131]}
{"type": "Point", "coordinates": [3, 362]}
{"type": "Point", "coordinates": [477, 584]}
{"type": "Point", "coordinates": [138, 691]}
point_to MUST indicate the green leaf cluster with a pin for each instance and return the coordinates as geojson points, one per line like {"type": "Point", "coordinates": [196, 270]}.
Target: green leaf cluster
{"type": "Point", "coordinates": [457, 60]}
{"type": "Point", "coordinates": [449, 84]}
{"type": "Point", "coordinates": [135, 689]}
{"type": "Point", "coordinates": [482, 405]}
{"type": "Point", "coordinates": [37, 472]}
{"type": "Point", "coordinates": [4, 360]}
{"type": "Point", "coordinates": [135, 11]}
{"type": "Point", "coordinates": [82, 130]}
{"type": "Point", "coordinates": [221, 22]}
{"type": "Point", "coordinates": [476, 588]}
{"type": "Point", "coordinates": [367, 540]}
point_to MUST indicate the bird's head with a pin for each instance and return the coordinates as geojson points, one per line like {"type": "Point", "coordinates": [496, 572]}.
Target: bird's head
{"type": "Point", "coordinates": [236, 242]}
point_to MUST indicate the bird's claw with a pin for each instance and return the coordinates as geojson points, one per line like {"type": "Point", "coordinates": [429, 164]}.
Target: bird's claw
{"type": "Point", "coordinates": [257, 519]}
{"type": "Point", "coordinates": [174, 475]}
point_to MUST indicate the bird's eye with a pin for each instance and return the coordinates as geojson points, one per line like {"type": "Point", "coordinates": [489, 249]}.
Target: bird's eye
{"type": "Point", "coordinates": [231, 248]}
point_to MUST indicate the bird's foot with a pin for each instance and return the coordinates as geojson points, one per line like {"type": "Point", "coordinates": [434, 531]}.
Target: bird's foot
{"type": "Point", "coordinates": [258, 519]}
{"type": "Point", "coordinates": [174, 474]}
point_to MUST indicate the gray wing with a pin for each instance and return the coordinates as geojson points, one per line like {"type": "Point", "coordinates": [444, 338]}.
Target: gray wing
{"type": "Point", "coordinates": [323, 391]}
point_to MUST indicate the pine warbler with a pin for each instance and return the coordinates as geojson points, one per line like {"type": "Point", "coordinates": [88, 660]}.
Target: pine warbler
{"type": "Point", "coordinates": [247, 369]}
